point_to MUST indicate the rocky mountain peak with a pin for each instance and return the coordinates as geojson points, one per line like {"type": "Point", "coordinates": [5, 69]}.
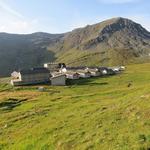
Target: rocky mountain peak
{"type": "Point", "coordinates": [118, 24]}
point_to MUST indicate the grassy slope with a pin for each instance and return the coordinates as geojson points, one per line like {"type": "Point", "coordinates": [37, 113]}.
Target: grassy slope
{"type": "Point", "coordinates": [98, 113]}
{"type": "Point", "coordinates": [74, 57]}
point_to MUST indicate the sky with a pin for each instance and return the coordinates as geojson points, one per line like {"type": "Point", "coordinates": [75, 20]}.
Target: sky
{"type": "Point", "coordinates": [59, 16]}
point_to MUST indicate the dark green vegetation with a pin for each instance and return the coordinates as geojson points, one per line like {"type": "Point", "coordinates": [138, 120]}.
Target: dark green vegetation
{"type": "Point", "coordinates": [96, 113]}
{"type": "Point", "coordinates": [112, 42]}
{"type": "Point", "coordinates": [24, 51]}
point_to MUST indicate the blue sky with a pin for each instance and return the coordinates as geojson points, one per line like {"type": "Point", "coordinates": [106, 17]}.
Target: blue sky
{"type": "Point", "coordinates": [58, 16]}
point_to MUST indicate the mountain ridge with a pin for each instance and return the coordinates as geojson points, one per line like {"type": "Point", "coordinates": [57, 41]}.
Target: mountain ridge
{"type": "Point", "coordinates": [108, 37]}
{"type": "Point", "coordinates": [111, 42]}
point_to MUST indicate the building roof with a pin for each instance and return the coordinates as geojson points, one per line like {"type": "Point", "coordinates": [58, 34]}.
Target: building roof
{"type": "Point", "coordinates": [15, 73]}
{"type": "Point", "coordinates": [34, 70]}
{"type": "Point", "coordinates": [102, 68]}
{"type": "Point", "coordinates": [57, 76]}
{"type": "Point", "coordinates": [71, 72]}
{"type": "Point", "coordinates": [82, 71]}
{"type": "Point", "coordinates": [76, 68]}
{"type": "Point", "coordinates": [93, 70]}
{"type": "Point", "coordinates": [56, 73]}
{"type": "Point", "coordinates": [55, 63]}
{"type": "Point", "coordinates": [51, 63]}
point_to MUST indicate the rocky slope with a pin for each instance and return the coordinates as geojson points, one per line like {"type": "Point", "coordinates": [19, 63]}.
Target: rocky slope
{"type": "Point", "coordinates": [114, 41]}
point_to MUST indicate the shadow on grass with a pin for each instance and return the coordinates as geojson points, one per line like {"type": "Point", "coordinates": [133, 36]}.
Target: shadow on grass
{"type": "Point", "coordinates": [88, 81]}
{"type": "Point", "coordinates": [5, 87]}
{"type": "Point", "coordinates": [102, 83]}
{"type": "Point", "coordinates": [10, 103]}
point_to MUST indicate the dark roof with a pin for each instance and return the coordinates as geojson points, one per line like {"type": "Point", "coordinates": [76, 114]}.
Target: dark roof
{"type": "Point", "coordinates": [83, 71]}
{"type": "Point", "coordinates": [75, 68]}
{"type": "Point", "coordinates": [71, 72]}
{"type": "Point", "coordinates": [34, 70]}
{"type": "Point", "coordinates": [102, 68]}
{"type": "Point", "coordinates": [93, 69]}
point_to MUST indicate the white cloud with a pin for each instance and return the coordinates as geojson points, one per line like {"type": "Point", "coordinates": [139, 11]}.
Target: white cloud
{"type": "Point", "coordinates": [5, 7]}
{"type": "Point", "coordinates": [117, 1]}
{"type": "Point", "coordinates": [13, 21]}
{"type": "Point", "coordinates": [19, 26]}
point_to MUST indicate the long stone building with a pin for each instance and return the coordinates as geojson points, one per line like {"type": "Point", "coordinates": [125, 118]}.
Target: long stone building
{"type": "Point", "coordinates": [30, 76]}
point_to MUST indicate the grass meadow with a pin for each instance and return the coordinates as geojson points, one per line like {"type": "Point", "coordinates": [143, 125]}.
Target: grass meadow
{"type": "Point", "coordinates": [90, 114]}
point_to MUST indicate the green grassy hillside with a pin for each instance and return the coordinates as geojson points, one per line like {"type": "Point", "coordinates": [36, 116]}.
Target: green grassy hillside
{"type": "Point", "coordinates": [97, 113]}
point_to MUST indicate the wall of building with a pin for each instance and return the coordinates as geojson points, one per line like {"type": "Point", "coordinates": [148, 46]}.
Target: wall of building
{"type": "Point", "coordinates": [84, 75]}
{"type": "Point", "coordinates": [35, 77]}
{"type": "Point", "coordinates": [95, 74]}
{"type": "Point", "coordinates": [71, 76]}
{"type": "Point", "coordinates": [58, 81]}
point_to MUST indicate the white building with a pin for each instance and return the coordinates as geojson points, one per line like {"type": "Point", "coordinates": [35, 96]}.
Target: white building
{"type": "Point", "coordinates": [103, 70]}
{"type": "Point", "coordinates": [94, 72]}
{"type": "Point", "coordinates": [58, 79]}
{"type": "Point", "coordinates": [15, 75]}
{"type": "Point", "coordinates": [51, 66]}
{"type": "Point", "coordinates": [72, 75]}
{"type": "Point", "coordinates": [84, 74]}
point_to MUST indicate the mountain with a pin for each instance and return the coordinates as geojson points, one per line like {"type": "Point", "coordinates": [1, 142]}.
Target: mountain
{"type": "Point", "coordinates": [112, 42]}
{"type": "Point", "coordinates": [23, 51]}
